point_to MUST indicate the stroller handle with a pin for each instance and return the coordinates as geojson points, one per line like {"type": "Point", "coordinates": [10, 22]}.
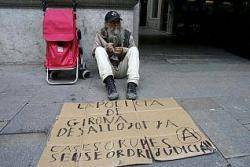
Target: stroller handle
{"type": "Point", "coordinates": [45, 5]}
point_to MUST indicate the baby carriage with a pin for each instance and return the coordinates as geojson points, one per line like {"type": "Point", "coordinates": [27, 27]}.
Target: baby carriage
{"type": "Point", "coordinates": [63, 51]}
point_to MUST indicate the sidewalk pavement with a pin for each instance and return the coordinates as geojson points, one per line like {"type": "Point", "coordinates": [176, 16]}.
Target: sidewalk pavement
{"type": "Point", "coordinates": [211, 84]}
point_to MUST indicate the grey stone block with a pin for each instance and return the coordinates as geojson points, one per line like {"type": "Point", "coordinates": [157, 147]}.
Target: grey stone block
{"type": "Point", "coordinates": [61, 93]}
{"type": "Point", "coordinates": [238, 107]}
{"type": "Point", "coordinates": [21, 150]}
{"type": "Point", "coordinates": [33, 118]}
{"type": "Point", "coordinates": [22, 81]}
{"type": "Point", "coordinates": [205, 103]}
{"type": "Point", "coordinates": [247, 126]}
{"type": "Point", "coordinates": [24, 74]}
{"type": "Point", "coordinates": [11, 105]}
{"type": "Point", "coordinates": [185, 85]}
{"type": "Point", "coordinates": [229, 136]}
{"type": "Point", "coordinates": [240, 161]}
{"type": "Point", "coordinates": [193, 80]}
{"type": "Point", "coordinates": [211, 160]}
{"type": "Point", "coordinates": [26, 91]}
{"type": "Point", "coordinates": [3, 124]}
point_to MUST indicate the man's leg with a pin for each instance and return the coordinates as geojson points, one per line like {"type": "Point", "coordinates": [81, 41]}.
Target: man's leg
{"type": "Point", "coordinates": [130, 67]}
{"type": "Point", "coordinates": [103, 63]}
{"type": "Point", "coordinates": [105, 71]}
{"type": "Point", "coordinates": [133, 65]}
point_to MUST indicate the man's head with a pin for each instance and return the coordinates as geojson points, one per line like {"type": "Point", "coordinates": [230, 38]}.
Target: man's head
{"type": "Point", "coordinates": [113, 26]}
{"type": "Point", "coordinates": [112, 16]}
{"type": "Point", "coordinates": [113, 22]}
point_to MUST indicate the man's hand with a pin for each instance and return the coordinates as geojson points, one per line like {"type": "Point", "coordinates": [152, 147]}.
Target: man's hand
{"type": "Point", "coordinates": [110, 47]}
{"type": "Point", "coordinates": [118, 50]}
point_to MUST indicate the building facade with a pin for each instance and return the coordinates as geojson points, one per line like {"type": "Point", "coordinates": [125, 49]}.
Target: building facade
{"type": "Point", "coordinates": [160, 15]}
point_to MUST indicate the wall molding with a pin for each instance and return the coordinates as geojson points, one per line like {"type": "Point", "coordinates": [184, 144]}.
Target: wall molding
{"type": "Point", "coordinates": [66, 3]}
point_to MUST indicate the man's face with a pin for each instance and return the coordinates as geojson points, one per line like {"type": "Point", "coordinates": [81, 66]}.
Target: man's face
{"type": "Point", "coordinates": [114, 26]}
{"type": "Point", "coordinates": [114, 32]}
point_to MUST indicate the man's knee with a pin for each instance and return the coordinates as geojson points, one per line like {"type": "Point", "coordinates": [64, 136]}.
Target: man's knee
{"type": "Point", "coordinates": [133, 49]}
{"type": "Point", "coordinates": [100, 50]}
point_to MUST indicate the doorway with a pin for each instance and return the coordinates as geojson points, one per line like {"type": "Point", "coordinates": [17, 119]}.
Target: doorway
{"type": "Point", "coordinates": [143, 12]}
{"type": "Point", "coordinates": [167, 16]}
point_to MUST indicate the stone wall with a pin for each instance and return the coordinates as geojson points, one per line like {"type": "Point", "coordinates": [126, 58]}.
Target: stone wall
{"type": "Point", "coordinates": [63, 3]}
{"type": "Point", "coordinates": [21, 39]}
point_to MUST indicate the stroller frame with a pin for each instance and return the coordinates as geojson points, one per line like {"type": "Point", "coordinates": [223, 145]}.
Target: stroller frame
{"type": "Point", "coordinates": [58, 69]}
{"type": "Point", "coordinates": [79, 68]}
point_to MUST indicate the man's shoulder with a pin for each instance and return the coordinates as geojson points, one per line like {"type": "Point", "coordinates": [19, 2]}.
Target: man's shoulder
{"type": "Point", "coordinates": [127, 31]}
{"type": "Point", "coordinates": [103, 32]}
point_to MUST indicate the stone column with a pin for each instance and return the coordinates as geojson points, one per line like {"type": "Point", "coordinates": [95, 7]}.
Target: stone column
{"type": "Point", "coordinates": [136, 22]}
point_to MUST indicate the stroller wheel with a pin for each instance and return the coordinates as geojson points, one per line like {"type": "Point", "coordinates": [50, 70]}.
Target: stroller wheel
{"type": "Point", "coordinates": [53, 74]}
{"type": "Point", "coordinates": [84, 74]}
{"type": "Point", "coordinates": [79, 35]}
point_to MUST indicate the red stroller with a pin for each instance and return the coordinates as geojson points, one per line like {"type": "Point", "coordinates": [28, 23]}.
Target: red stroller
{"type": "Point", "coordinates": [63, 52]}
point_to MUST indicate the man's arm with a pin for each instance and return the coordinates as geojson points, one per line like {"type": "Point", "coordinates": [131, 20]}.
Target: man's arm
{"type": "Point", "coordinates": [131, 44]}
{"type": "Point", "coordinates": [99, 41]}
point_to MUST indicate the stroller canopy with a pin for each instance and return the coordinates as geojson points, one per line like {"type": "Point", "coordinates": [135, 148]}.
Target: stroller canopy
{"type": "Point", "coordinates": [59, 25]}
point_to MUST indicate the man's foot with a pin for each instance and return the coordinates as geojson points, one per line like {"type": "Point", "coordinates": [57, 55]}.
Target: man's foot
{"type": "Point", "coordinates": [131, 91]}
{"type": "Point", "coordinates": [110, 86]}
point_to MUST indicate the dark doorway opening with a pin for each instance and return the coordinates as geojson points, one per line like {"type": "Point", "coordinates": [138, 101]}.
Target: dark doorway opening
{"type": "Point", "coordinates": [221, 23]}
{"type": "Point", "coordinates": [164, 15]}
{"type": "Point", "coordinates": [143, 12]}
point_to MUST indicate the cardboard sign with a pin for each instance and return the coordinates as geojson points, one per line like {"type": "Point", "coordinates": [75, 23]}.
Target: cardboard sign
{"type": "Point", "coordinates": [121, 106]}
{"type": "Point", "coordinates": [124, 132]}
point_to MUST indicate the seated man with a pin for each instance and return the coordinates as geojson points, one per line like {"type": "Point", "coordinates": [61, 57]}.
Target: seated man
{"type": "Point", "coordinates": [116, 56]}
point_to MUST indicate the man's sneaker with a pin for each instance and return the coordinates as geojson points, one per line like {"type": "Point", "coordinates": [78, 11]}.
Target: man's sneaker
{"type": "Point", "coordinates": [131, 91]}
{"type": "Point", "coordinates": [110, 86]}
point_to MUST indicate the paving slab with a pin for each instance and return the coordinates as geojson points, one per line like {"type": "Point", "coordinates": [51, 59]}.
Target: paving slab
{"type": "Point", "coordinates": [238, 107]}
{"type": "Point", "coordinates": [3, 124]}
{"type": "Point", "coordinates": [156, 80]}
{"type": "Point", "coordinates": [97, 92]}
{"type": "Point", "coordinates": [11, 105]}
{"type": "Point", "coordinates": [21, 150]}
{"type": "Point", "coordinates": [212, 160]}
{"type": "Point", "coordinates": [229, 136]}
{"type": "Point", "coordinates": [33, 118]}
{"type": "Point", "coordinates": [61, 93]}
{"type": "Point", "coordinates": [27, 91]}
{"type": "Point", "coordinates": [240, 161]}
{"type": "Point", "coordinates": [23, 75]}
{"type": "Point", "coordinates": [203, 103]}
{"type": "Point", "coordinates": [201, 60]}
{"type": "Point", "coordinates": [42, 109]}
{"type": "Point", "coordinates": [17, 80]}
{"type": "Point", "coordinates": [247, 126]}
{"type": "Point", "coordinates": [96, 89]}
